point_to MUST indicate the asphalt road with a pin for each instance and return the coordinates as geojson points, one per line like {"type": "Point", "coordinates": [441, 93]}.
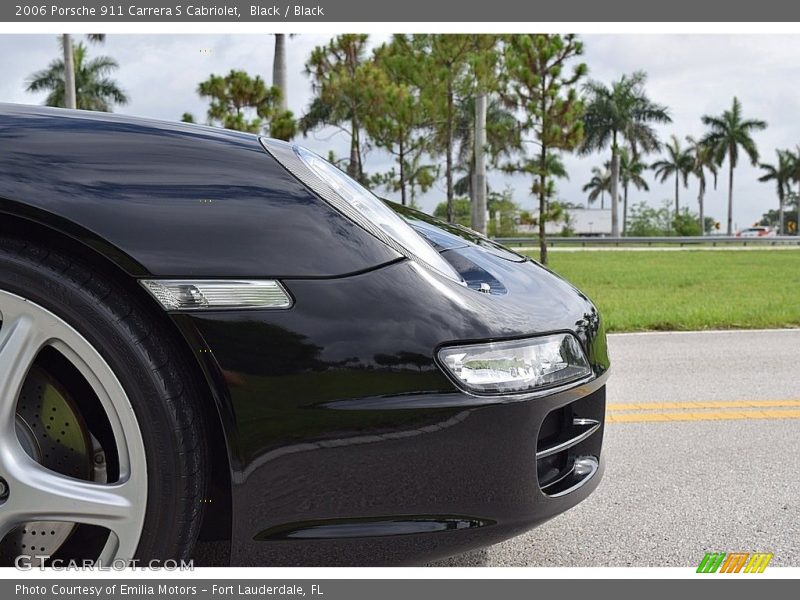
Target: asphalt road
{"type": "Point", "coordinates": [702, 451]}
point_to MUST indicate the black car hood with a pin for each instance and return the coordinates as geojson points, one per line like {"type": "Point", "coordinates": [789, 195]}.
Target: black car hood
{"type": "Point", "coordinates": [480, 261]}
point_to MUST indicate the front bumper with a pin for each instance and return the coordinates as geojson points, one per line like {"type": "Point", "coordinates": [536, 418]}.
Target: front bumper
{"type": "Point", "coordinates": [348, 446]}
{"type": "Point", "coordinates": [446, 482]}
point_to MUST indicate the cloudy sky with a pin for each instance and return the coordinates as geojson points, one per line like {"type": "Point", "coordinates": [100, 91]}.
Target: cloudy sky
{"type": "Point", "coordinates": [692, 74]}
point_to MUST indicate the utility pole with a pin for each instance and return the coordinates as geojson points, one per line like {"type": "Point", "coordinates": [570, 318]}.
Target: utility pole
{"type": "Point", "coordinates": [69, 72]}
{"type": "Point", "coordinates": [479, 187]}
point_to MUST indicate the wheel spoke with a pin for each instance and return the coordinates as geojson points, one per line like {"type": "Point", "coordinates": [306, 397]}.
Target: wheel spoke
{"type": "Point", "coordinates": [39, 494]}
{"type": "Point", "coordinates": [20, 342]}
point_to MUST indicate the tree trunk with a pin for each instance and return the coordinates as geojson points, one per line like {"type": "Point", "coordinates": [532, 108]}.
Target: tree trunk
{"type": "Point", "coordinates": [702, 216]}
{"type": "Point", "coordinates": [354, 166]}
{"type": "Point", "coordinates": [471, 187]}
{"type": "Point", "coordinates": [624, 208]}
{"type": "Point", "coordinates": [730, 197]}
{"type": "Point", "coordinates": [614, 188]}
{"type": "Point", "coordinates": [402, 156]}
{"type": "Point", "coordinates": [479, 191]}
{"type": "Point", "coordinates": [279, 68]}
{"type": "Point", "coordinates": [542, 206]}
{"type": "Point", "coordinates": [677, 187]}
{"type": "Point", "coordinates": [70, 100]}
{"type": "Point", "coordinates": [780, 214]}
{"type": "Point", "coordinates": [451, 217]}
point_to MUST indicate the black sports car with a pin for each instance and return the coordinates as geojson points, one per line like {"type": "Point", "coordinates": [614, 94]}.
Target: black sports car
{"type": "Point", "coordinates": [207, 335]}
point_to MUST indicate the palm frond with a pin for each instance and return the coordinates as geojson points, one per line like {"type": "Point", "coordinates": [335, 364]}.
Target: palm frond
{"type": "Point", "coordinates": [94, 88]}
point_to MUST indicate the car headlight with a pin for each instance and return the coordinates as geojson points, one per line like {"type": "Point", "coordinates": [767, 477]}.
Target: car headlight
{"type": "Point", "coordinates": [358, 204]}
{"type": "Point", "coordinates": [516, 366]}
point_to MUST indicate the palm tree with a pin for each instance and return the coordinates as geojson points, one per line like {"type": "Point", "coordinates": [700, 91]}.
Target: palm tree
{"type": "Point", "coordinates": [794, 158]}
{"type": "Point", "coordinates": [419, 175]}
{"type": "Point", "coordinates": [502, 139]}
{"type": "Point", "coordinates": [631, 171]}
{"type": "Point", "coordinates": [781, 173]}
{"type": "Point", "coordinates": [598, 185]}
{"type": "Point", "coordinates": [617, 113]}
{"type": "Point", "coordinates": [702, 161]}
{"type": "Point", "coordinates": [678, 162]}
{"type": "Point", "coordinates": [69, 66]}
{"type": "Point", "coordinates": [94, 89]}
{"type": "Point", "coordinates": [729, 132]}
{"type": "Point", "coordinates": [279, 68]}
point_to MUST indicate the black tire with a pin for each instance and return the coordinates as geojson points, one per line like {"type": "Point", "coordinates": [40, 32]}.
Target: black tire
{"type": "Point", "coordinates": [145, 355]}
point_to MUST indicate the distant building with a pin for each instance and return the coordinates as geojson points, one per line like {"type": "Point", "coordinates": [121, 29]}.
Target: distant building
{"type": "Point", "coordinates": [585, 222]}
{"type": "Point", "coordinates": [590, 221]}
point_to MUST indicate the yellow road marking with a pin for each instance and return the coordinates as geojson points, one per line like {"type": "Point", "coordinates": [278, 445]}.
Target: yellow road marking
{"type": "Point", "coordinates": [623, 406]}
{"type": "Point", "coordinates": [653, 412]}
{"type": "Point", "coordinates": [717, 415]}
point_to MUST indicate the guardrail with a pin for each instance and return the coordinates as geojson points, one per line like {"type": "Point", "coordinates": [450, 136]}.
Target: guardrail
{"type": "Point", "coordinates": [709, 240]}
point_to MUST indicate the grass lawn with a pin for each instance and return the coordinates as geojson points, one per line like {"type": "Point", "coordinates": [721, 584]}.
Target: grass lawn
{"type": "Point", "coordinates": [688, 290]}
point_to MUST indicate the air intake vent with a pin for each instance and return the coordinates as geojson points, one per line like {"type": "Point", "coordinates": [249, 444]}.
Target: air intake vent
{"type": "Point", "coordinates": [568, 446]}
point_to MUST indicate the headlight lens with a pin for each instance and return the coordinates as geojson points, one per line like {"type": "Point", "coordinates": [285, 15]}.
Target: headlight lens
{"type": "Point", "coordinates": [517, 366]}
{"type": "Point", "coordinates": [359, 204]}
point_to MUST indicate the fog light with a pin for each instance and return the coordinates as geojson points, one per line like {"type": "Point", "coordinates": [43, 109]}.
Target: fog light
{"type": "Point", "coordinates": [218, 294]}
{"type": "Point", "coordinates": [516, 366]}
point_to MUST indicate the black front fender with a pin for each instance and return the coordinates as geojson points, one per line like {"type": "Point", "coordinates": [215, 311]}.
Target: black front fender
{"type": "Point", "coordinates": [173, 200]}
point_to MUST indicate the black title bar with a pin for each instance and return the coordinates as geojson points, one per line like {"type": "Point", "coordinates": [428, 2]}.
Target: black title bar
{"type": "Point", "coordinates": [408, 10]}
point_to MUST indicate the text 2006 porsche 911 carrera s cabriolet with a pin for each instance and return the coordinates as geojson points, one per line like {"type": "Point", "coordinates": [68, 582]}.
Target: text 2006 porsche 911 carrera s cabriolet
{"type": "Point", "coordinates": [210, 336]}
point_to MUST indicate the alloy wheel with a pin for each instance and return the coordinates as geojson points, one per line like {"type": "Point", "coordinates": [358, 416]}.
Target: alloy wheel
{"type": "Point", "coordinates": [72, 456]}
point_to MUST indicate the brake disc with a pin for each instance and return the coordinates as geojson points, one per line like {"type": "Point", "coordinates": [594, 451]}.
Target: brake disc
{"type": "Point", "coordinates": [53, 433]}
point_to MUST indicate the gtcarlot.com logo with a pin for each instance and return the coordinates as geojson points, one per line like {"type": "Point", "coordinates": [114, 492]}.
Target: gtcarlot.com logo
{"type": "Point", "coordinates": [25, 562]}
{"type": "Point", "coordinates": [734, 562]}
